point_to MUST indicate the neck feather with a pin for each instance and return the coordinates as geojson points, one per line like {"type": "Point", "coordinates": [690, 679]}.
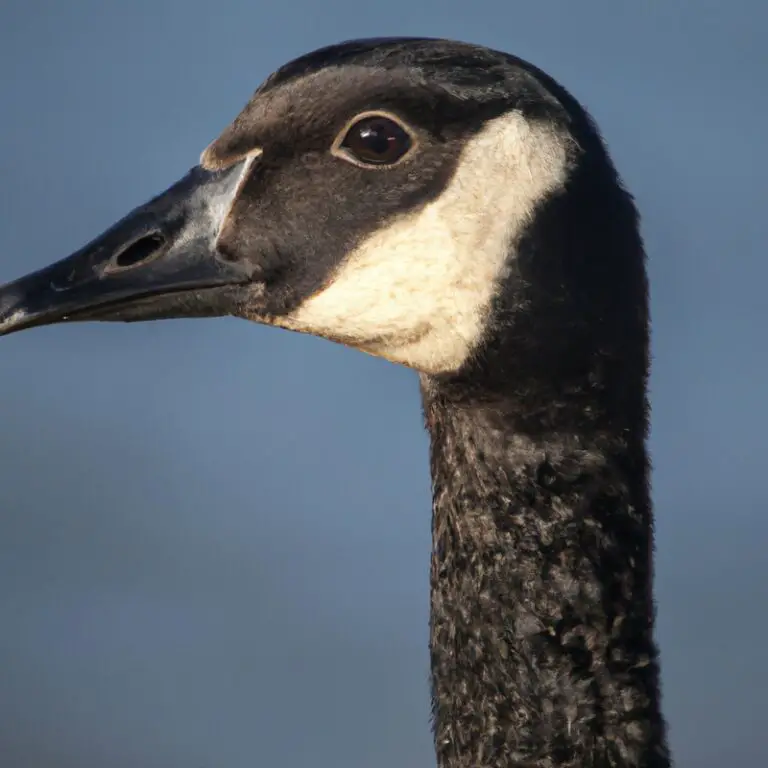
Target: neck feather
{"type": "Point", "coordinates": [542, 649]}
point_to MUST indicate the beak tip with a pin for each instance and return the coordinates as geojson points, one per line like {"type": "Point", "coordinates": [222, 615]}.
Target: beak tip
{"type": "Point", "coordinates": [12, 312]}
{"type": "Point", "coordinates": [10, 319]}
{"type": "Point", "coordinates": [12, 322]}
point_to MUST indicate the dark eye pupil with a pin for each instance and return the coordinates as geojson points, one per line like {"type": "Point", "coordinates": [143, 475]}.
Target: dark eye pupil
{"type": "Point", "coordinates": [377, 141]}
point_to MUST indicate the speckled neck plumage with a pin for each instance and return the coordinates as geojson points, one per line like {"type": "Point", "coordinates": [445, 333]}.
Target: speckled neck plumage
{"type": "Point", "coordinates": [541, 627]}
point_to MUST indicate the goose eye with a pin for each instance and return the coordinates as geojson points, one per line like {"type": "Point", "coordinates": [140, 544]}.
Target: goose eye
{"type": "Point", "coordinates": [376, 140]}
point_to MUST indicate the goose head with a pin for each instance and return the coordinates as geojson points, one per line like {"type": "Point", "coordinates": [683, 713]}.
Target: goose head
{"type": "Point", "coordinates": [430, 202]}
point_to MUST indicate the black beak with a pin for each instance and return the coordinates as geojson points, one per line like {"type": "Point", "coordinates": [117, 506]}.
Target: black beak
{"type": "Point", "coordinates": [160, 261]}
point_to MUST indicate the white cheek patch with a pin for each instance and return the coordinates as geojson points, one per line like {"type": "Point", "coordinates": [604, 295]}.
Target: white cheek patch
{"type": "Point", "coordinates": [425, 283]}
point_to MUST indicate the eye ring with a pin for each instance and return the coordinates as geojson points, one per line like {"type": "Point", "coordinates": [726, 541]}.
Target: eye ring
{"type": "Point", "coordinates": [374, 140]}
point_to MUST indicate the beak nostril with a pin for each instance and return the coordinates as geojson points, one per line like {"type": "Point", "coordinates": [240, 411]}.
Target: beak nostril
{"type": "Point", "coordinates": [139, 251]}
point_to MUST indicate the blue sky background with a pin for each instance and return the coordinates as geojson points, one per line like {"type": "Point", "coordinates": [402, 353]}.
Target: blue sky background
{"type": "Point", "coordinates": [214, 537]}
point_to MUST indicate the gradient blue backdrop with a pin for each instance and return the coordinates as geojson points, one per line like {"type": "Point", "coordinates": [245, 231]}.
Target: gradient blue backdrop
{"type": "Point", "coordinates": [214, 537]}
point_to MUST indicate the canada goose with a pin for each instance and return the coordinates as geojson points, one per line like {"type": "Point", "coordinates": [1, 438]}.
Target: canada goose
{"type": "Point", "coordinates": [452, 209]}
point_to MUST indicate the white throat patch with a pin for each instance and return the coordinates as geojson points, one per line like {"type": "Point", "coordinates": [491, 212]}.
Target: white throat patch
{"type": "Point", "coordinates": [425, 283]}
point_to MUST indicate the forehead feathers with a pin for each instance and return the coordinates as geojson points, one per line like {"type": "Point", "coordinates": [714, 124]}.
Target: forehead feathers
{"type": "Point", "coordinates": [439, 79]}
{"type": "Point", "coordinates": [401, 262]}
